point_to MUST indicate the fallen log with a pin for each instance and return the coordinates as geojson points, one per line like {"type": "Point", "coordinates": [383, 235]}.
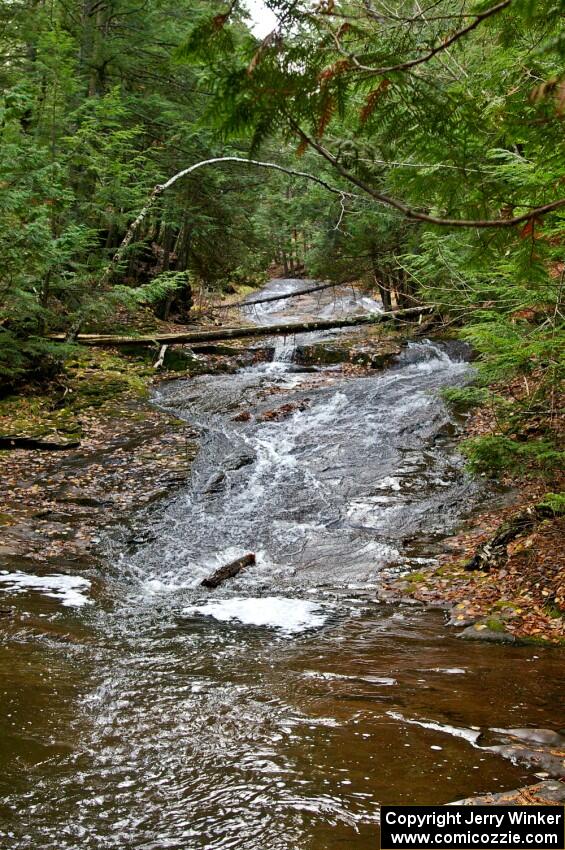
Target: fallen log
{"type": "Point", "coordinates": [286, 329]}
{"type": "Point", "coordinates": [228, 571]}
{"type": "Point", "coordinates": [16, 442]}
{"type": "Point", "coordinates": [268, 298]}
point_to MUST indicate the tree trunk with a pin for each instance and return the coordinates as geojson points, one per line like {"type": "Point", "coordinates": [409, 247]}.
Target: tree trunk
{"type": "Point", "coordinates": [287, 329]}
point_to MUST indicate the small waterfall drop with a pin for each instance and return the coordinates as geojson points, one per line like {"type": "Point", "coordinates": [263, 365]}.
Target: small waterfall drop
{"type": "Point", "coordinates": [284, 349]}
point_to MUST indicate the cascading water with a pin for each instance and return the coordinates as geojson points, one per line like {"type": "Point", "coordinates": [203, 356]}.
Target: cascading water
{"type": "Point", "coordinates": [280, 709]}
{"type": "Point", "coordinates": [359, 469]}
{"type": "Point", "coordinates": [284, 350]}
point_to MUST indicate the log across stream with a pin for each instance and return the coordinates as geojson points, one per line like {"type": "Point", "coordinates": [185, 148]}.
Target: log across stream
{"type": "Point", "coordinates": [280, 708]}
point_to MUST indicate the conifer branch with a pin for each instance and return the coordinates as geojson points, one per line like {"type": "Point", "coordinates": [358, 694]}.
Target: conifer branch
{"type": "Point", "coordinates": [411, 63]}
{"type": "Point", "coordinates": [415, 215]}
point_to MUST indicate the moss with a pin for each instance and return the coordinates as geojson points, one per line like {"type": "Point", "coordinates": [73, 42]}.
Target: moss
{"type": "Point", "coordinates": [495, 625]}
{"type": "Point", "coordinates": [449, 569]}
{"type": "Point", "coordinates": [554, 502]}
{"type": "Point", "coordinates": [415, 577]}
{"type": "Point", "coordinates": [98, 390]}
{"type": "Point", "coordinates": [537, 640]}
{"type": "Point", "coordinates": [92, 379]}
{"type": "Point", "coordinates": [553, 611]}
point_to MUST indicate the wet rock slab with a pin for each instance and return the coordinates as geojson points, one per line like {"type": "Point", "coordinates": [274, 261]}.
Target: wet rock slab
{"type": "Point", "coordinates": [546, 793]}
{"type": "Point", "coordinates": [375, 355]}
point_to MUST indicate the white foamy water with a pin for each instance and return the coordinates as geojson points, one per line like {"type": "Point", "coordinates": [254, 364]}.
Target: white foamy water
{"type": "Point", "coordinates": [68, 590]}
{"type": "Point", "coordinates": [470, 735]}
{"type": "Point", "coordinates": [276, 612]}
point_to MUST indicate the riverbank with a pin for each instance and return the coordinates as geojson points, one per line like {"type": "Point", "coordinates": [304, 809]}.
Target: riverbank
{"type": "Point", "coordinates": [104, 452]}
{"type": "Point", "coordinates": [113, 452]}
{"type": "Point", "coordinates": [498, 585]}
{"type": "Point", "coordinates": [520, 600]}
{"type": "Point", "coordinates": [127, 671]}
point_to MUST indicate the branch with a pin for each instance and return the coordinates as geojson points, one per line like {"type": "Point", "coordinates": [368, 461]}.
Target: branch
{"type": "Point", "coordinates": [414, 215]}
{"type": "Point", "coordinates": [269, 298]}
{"type": "Point", "coordinates": [158, 191]}
{"type": "Point", "coordinates": [411, 63]}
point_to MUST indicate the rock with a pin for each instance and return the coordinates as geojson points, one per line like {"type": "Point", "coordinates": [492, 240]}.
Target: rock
{"type": "Point", "coordinates": [460, 619]}
{"type": "Point", "coordinates": [322, 354]}
{"type": "Point", "coordinates": [538, 748]}
{"type": "Point", "coordinates": [550, 761]}
{"type": "Point", "coordinates": [285, 410]}
{"type": "Point", "coordinates": [235, 462]}
{"type": "Point", "coordinates": [535, 736]}
{"type": "Point", "coordinates": [215, 483]}
{"type": "Point", "coordinates": [548, 793]}
{"type": "Point", "coordinates": [479, 631]}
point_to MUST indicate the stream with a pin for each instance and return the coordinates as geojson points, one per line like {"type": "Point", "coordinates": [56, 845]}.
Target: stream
{"type": "Point", "coordinates": [280, 710]}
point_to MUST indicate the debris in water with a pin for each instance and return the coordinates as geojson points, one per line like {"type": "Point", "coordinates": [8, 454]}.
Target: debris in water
{"type": "Point", "coordinates": [230, 570]}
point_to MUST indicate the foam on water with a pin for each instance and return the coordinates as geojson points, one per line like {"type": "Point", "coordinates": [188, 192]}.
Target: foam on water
{"type": "Point", "coordinates": [470, 735]}
{"type": "Point", "coordinates": [68, 590]}
{"type": "Point", "coordinates": [290, 616]}
{"type": "Point", "coordinates": [258, 719]}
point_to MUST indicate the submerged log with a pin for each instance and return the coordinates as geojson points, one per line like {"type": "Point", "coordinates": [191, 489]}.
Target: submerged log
{"type": "Point", "coordinates": [228, 571]}
{"type": "Point", "coordinates": [286, 329]}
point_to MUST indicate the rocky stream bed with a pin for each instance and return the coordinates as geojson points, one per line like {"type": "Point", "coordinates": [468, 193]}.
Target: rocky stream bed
{"type": "Point", "coordinates": [140, 709]}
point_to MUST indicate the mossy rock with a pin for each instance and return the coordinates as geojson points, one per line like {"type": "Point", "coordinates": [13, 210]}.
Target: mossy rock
{"type": "Point", "coordinates": [491, 631]}
{"type": "Point", "coordinates": [552, 503]}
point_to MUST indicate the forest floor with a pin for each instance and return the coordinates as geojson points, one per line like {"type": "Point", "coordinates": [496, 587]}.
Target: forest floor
{"type": "Point", "coordinates": [56, 502]}
{"type": "Point", "coordinates": [125, 453]}
{"type": "Point", "coordinates": [522, 597]}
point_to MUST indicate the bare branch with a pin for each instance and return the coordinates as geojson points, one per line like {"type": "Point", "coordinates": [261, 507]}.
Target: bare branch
{"type": "Point", "coordinates": [411, 63]}
{"type": "Point", "coordinates": [158, 191]}
{"type": "Point", "coordinates": [415, 215]}
{"type": "Point", "coordinates": [269, 298]}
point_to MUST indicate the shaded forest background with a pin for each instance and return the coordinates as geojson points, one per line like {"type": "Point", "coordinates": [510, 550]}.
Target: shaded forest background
{"type": "Point", "coordinates": [439, 123]}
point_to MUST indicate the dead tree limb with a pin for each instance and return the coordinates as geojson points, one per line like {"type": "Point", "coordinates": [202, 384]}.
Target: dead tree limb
{"type": "Point", "coordinates": [318, 288]}
{"type": "Point", "coordinates": [159, 189]}
{"type": "Point", "coordinates": [162, 187]}
{"type": "Point", "coordinates": [228, 571]}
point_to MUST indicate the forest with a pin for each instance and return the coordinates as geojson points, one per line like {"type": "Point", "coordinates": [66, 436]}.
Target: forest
{"type": "Point", "coordinates": [282, 302]}
{"type": "Point", "coordinates": [440, 131]}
